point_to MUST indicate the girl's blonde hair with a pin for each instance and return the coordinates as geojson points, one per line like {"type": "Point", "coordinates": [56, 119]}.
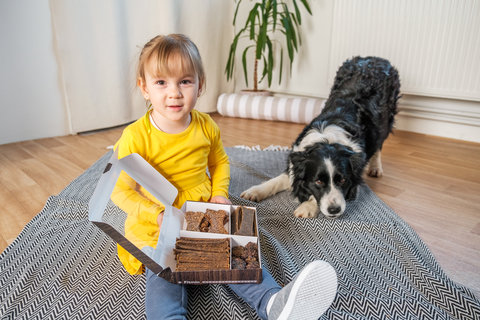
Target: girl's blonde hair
{"type": "Point", "coordinates": [162, 48]}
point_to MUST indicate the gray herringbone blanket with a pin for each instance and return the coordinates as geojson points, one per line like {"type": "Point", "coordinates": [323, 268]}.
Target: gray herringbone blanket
{"type": "Point", "coordinates": [63, 267]}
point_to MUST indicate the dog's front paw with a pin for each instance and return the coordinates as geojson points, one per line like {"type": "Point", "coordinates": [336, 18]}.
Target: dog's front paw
{"type": "Point", "coordinates": [254, 193]}
{"type": "Point", "coordinates": [306, 210]}
{"type": "Point", "coordinates": [374, 171]}
{"type": "Point", "coordinates": [375, 165]}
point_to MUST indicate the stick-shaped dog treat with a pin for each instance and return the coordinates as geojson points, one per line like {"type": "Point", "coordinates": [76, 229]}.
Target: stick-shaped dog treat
{"type": "Point", "coordinates": [247, 222]}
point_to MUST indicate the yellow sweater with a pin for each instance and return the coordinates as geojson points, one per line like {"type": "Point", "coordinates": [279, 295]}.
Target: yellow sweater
{"type": "Point", "coordinates": [182, 159]}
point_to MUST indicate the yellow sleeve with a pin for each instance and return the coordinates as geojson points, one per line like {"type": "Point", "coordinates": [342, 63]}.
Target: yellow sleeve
{"type": "Point", "coordinates": [128, 195]}
{"type": "Point", "coordinates": [218, 165]}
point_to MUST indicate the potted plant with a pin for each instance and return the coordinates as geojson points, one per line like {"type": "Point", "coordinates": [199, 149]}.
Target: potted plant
{"type": "Point", "coordinates": [268, 21]}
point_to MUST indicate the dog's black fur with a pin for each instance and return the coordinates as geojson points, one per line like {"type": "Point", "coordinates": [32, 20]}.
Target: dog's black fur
{"type": "Point", "coordinates": [330, 154]}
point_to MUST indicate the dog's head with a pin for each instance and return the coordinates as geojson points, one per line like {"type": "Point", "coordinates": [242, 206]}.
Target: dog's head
{"type": "Point", "coordinates": [329, 172]}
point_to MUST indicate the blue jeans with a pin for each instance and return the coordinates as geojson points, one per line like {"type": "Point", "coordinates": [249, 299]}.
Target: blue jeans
{"type": "Point", "coordinates": [165, 300]}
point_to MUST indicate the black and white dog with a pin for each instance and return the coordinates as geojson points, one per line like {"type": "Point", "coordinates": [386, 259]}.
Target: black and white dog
{"type": "Point", "coordinates": [329, 156]}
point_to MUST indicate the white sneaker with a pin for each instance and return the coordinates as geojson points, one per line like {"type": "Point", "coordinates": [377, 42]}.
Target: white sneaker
{"type": "Point", "coordinates": [309, 294]}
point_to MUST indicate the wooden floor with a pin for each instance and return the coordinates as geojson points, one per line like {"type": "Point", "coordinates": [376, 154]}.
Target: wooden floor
{"type": "Point", "coordinates": [432, 183]}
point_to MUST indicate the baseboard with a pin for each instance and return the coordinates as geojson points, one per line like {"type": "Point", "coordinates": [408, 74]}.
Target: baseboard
{"type": "Point", "coordinates": [456, 119]}
{"type": "Point", "coordinates": [449, 118]}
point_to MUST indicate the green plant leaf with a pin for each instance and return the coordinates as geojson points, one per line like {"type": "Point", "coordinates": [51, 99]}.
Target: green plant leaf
{"type": "Point", "coordinates": [262, 36]}
{"type": "Point", "coordinates": [294, 19]}
{"type": "Point", "coordinates": [307, 6]}
{"type": "Point", "coordinates": [231, 56]}
{"type": "Point", "coordinates": [281, 66]}
{"type": "Point", "coordinates": [251, 22]}
{"type": "Point", "coordinates": [244, 63]}
{"type": "Point", "coordinates": [293, 32]}
{"type": "Point", "coordinates": [229, 66]}
{"type": "Point", "coordinates": [264, 70]}
{"type": "Point", "coordinates": [231, 60]}
{"type": "Point", "coordinates": [288, 26]}
{"type": "Point", "coordinates": [297, 12]}
{"type": "Point", "coordinates": [266, 18]}
{"type": "Point", "coordinates": [270, 61]}
{"type": "Point", "coordinates": [290, 35]}
{"type": "Point", "coordinates": [295, 28]}
{"type": "Point", "coordinates": [236, 12]}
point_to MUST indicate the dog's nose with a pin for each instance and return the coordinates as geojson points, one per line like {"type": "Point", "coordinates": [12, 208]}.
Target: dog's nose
{"type": "Point", "coordinates": [334, 209]}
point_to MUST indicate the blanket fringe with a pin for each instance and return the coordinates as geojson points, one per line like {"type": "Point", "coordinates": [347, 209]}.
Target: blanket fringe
{"type": "Point", "coordinates": [269, 148]}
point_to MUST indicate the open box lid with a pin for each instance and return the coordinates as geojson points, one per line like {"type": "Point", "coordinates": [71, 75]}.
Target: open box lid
{"type": "Point", "coordinates": [108, 217]}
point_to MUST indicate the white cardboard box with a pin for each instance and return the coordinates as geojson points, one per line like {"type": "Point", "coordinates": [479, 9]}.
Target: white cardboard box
{"type": "Point", "coordinates": [161, 260]}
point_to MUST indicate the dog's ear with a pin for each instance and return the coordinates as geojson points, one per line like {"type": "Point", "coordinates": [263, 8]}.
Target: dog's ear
{"type": "Point", "coordinates": [298, 169]}
{"type": "Point", "coordinates": [356, 160]}
{"type": "Point", "coordinates": [357, 164]}
{"type": "Point", "coordinates": [297, 161]}
{"type": "Point", "coordinates": [351, 193]}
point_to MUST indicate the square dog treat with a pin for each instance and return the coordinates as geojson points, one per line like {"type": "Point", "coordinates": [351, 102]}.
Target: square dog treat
{"type": "Point", "coordinates": [194, 220]}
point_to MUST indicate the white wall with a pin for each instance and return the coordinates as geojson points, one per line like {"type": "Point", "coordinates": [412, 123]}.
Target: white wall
{"type": "Point", "coordinates": [336, 31]}
{"type": "Point", "coordinates": [74, 71]}
{"type": "Point", "coordinates": [32, 97]}
{"type": "Point", "coordinates": [98, 44]}
{"type": "Point", "coordinates": [31, 103]}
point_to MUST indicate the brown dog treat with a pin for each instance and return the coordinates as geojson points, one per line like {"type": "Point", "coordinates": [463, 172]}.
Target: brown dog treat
{"type": "Point", "coordinates": [251, 259]}
{"type": "Point", "coordinates": [235, 219]}
{"type": "Point", "coordinates": [252, 249]}
{"type": "Point", "coordinates": [253, 265]}
{"type": "Point", "coordinates": [217, 220]}
{"type": "Point", "coordinates": [198, 256]}
{"type": "Point", "coordinates": [202, 266]}
{"type": "Point", "coordinates": [245, 257]}
{"type": "Point", "coordinates": [203, 240]}
{"type": "Point", "coordinates": [217, 264]}
{"type": "Point", "coordinates": [194, 220]}
{"type": "Point", "coordinates": [194, 243]}
{"type": "Point", "coordinates": [239, 251]}
{"type": "Point", "coordinates": [238, 263]}
{"type": "Point", "coordinates": [203, 227]}
{"type": "Point", "coordinates": [247, 223]}
{"type": "Point", "coordinates": [204, 245]}
{"type": "Point", "coordinates": [202, 254]}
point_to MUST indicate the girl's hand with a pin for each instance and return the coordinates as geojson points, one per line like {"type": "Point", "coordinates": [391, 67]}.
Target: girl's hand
{"type": "Point", "coordinates": [160, 219]}
{"type": "Point", "coordinates": [220, 199]}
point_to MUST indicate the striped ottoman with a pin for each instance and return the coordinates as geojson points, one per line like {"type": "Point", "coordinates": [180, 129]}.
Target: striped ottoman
{"type": "Point", "coordinates": [290, 109]}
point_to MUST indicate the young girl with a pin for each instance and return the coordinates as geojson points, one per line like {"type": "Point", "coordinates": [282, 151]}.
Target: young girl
{"type": "Point", "coordinates": [182, 143]}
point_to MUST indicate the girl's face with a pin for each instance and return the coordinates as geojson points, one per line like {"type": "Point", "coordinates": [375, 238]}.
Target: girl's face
{"type": "Point", "coordinates": [173, 96]}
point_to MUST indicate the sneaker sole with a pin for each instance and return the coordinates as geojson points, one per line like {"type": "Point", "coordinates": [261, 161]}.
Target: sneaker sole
{"type": "Point", "coordinates": [304, 295]}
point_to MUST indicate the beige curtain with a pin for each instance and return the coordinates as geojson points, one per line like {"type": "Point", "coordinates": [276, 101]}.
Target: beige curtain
{"type": "Point", "coordinates": [97, 45]}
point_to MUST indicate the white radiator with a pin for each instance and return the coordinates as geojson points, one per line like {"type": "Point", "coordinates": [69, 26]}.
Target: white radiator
{"type": "Point", "coordinates": [435, 44]}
